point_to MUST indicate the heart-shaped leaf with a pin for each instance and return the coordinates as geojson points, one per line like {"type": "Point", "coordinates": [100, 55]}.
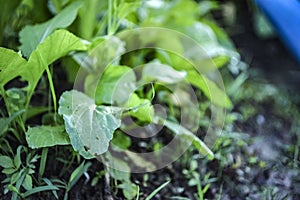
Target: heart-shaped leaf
{"type": "Point", "coordinates": [90, 127]}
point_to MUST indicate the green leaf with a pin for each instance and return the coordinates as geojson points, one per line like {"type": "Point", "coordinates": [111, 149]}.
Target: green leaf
{"type": "Point", "coordinates": [206, 38]}
{"type": "Point", "coordinates": [90, 127]}
{"type": "Point", "coordinates": [207, 6]}
{"type": "Point", "coordinates": [162, 73]}
{"type": "Point", "coordinates": [126, 8]}
{"type": "Point", "coordinates": [120, 141]}
{"type": "Point", "coordinates": [115, 85]}
{"type": "Point", "coordinates": [46, 136]}
{"type": "Point", "coordinates": [157, 190]}
{"type": "Point", "coordinates": [77, 173]}
{"type": "Point", "coordinates": [15, 177]}
{"type": "Point", "coordinates": [209, 88]}
{"type": "Point", "coordinates": [13, 189]}
{"type": "Point", "coordinates": [9, 170]}
{"type": "Point", "coordinates": [220, 61]}
{"type": "Point", "coordinates": [39, 189]}
{"type": "Point", "coordinates": [57, 45]}
{"type": "Point", "coordinates": [129, 189]}
{"type": "Point", "coordinates": [43, 162]}
{"type": "Point", "coordinates": [11, 65]}
{"type": "Point", "coordinates": [220, 33]}
{"type": "Point", "coordinates": [17, 158]}
{"type": "Point", "coordinates": [6, 162]}
{"type": "Point", "coordinates": [36, 110]}
{"type": "Point", "coordinates": [31, 36]}
{"type": "Point", "coordinates": [262, 26]}
{"type": "Point", "coordinates": [87, 21]}
{"type": "Point", "coordinates": [27, 184]}
{"type": "Point", "coordinates": [4, 122]}
{"type": "Point", "coordinates": [142, 108]}
{"type": "Point", "coordinates": [186, 134]}
{"type": "Point", "coordinates": [7, 12]}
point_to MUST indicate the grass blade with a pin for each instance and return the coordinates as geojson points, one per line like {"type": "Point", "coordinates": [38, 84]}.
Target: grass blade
{"type": "Point", "coordinates": [157, 190]}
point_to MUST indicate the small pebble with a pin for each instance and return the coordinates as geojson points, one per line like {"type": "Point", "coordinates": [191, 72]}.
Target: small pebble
{"type": "Point", "coordinates": [260, 119]}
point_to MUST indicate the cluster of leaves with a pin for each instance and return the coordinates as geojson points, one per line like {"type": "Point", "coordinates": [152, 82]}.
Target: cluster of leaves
{"type": "Point", "coordinates": [90, 120]}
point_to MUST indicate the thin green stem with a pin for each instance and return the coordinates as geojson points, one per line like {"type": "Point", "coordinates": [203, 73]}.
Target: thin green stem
{"type": "Point", "coordinates": [52, 88]}
{"type": "Point", "coordinates": [115, 16]}
{"type": "Point", "coordinates": [109, 20]}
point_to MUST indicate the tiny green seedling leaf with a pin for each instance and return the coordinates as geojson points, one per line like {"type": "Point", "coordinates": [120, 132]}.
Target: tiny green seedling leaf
{"type": "Point", "coordinates": [46, 136]}
{"type": "Point", "coordinates": [129, 189]}
{"type": "Point", "coordinates": [31, 36]}
{"type": "Point", "coordinates": [90, 127]}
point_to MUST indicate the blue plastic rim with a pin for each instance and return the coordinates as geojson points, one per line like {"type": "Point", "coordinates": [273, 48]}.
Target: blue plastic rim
{"type": "Point", "coordinates": [285, 17]}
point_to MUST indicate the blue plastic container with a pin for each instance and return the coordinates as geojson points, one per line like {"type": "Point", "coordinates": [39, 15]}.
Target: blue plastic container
{"type": "Point", "coordinates": [285, 17]}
